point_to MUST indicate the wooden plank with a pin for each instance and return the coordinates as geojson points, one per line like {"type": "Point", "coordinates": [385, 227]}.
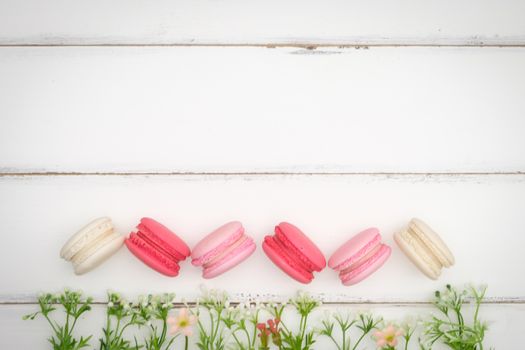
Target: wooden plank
{"type": "Point", "coordinates": [261, 110]}
{"type": "Point", "coordinates": [505, 321]}
{"type": "Point", "coordinates": [335, 22]}
{"type": "Point", "coordinates": [478, 216]}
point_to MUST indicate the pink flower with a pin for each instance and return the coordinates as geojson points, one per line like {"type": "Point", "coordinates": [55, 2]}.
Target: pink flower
{"type": "Point", "coordinates": [387, 337]}
{"type": "Point", "coordinates": [183, 323]}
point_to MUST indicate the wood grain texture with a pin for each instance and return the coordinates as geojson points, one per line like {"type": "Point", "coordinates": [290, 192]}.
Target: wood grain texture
{"type": "Point", "coordinates": [505, 321]}
{"type": "Point", "coordinates": [271, 22]}
{"type": "Point", "coordinates": [262, 110]}
{"type": "Point", "coordinates": [478, 216]}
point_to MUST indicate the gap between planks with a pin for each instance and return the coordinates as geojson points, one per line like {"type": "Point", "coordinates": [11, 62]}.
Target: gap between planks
{"type": "Point", "coordinates": [255, 173]}
{"type": "Point", "coordinates": [307, 46]}
{"type": "Point", "coordinates": [490, 301]}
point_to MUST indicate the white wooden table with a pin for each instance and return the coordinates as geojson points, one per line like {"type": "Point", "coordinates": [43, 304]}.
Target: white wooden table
{"type": "Point", "coordinates": [332, 115]}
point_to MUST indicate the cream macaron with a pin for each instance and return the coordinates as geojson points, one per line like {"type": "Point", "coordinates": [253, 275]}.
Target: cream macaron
{"type": "Point", "coordinates": [92, 245]}
{"type": "Point", "coordinates": [424, 248]}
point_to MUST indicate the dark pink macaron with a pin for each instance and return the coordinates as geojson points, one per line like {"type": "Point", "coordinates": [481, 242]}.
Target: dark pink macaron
{"type": "Point", "coordinates": [360, 256]}
{"type": "Point", "coordinates": [294, 253]}
{"type": "Point", "coordinates": [156, 246]}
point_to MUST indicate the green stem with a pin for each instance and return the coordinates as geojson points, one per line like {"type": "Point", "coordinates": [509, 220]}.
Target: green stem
{"type": "Point", "coordinates": [247, 335]}
{"type": "Point", "coordinates": [51, 323]}
{"type": "Point", "coordinates": [359, 340]}
{"type": "Point", "coordinates": [185, 343]}
{"type": "Point", "coordinates": [107, 329]}
{"type": "Point", "coordinates": [123, 328]}
{"type": "Point", "coordinates": [255, 328]}
{"type": "Point", "coordinates": [344, 338]}
{"type": "Point", "coordinates": [335, 342]}
{"type": "Point", "coordinates": [212, 323]}
{"type": "Point", "coordinates": [303, 327]}
{"type": "Point", "coordinates": [163, 334]}
{"type": "Point", "coordinates": [218, 323]}
{"type": "Point", "coordinates": [236, 339]}
{"type": "Point", "coordinates": [66, 328]}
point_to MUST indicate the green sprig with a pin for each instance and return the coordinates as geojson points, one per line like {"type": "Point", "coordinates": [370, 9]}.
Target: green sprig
{"type": "Point", "coordinates": [74, 306]}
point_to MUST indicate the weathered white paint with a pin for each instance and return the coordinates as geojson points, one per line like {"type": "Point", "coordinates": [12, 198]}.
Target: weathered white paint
{"type": "Point", "coordinates": [262, 110]}
{"type": "Point", "coordinates": [478, 216]}
{"type": "Point", "coordinates": [257, 110]}
{"type": "Point", "coordinates": [466, 22]}
{"type": "Point", "coordinates": [505, 322]}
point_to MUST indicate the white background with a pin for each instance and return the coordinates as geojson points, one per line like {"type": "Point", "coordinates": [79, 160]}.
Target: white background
{"type": "Point", "coordinates": [335, 116]}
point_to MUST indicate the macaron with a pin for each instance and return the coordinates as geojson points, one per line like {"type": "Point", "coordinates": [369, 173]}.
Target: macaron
{"type": "Point", "coordinates": [360, 256]}
{"type": "Point", "coordinates": [158, 247]}
{"type": "Point", "coordinates": [424, 248]}
{"type": "Point", "coordinates": [294, 253]}
{"type": "Point", "coordinates": [92, 245]}
{"type": "Point", "coordinates": [222, 249]}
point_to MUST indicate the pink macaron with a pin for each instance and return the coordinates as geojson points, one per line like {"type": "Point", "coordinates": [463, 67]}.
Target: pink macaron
{"type": "Point", "coordinates": [223, 249]}
{"type": "Point", "coordinates": [294, 253]}
{"type": "Point", "coordinates": [158, 247]}
{"type": "Point", "coordinates": [360, 256]}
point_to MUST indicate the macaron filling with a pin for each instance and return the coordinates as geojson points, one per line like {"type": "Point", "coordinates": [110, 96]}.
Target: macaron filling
{"type": "Point", "coordinates": [145, 247]}
{"type": "Point", "coordinates": [284, 254]}
{"type": "Point", "coordinates": [422, 251]}
{"type": "Point", "coordinates": [229, 253]}
{"type": "Point", "coordinates": [219, 249]}
{"type": "Point", "coordinates": [414, 231]}
{"type": "Point", "coordinates": [364, 264]}
{"type": "Point", "coordinates": [371, 246]}
{"type": "Point", "coordinates": [223, 253]}
{"type": "Point", "coordinates": [287, 246]}
{"type": "Point", "coordinates": [360, 262]}
{"type": "Point", "coordinates": [92, 247]}
{"type": "Point", "coordinates": [92, 231]}
{"type": "Point", "coordinates": [151, 239]}
{"type": "Point", "coordinates": [276, 245]}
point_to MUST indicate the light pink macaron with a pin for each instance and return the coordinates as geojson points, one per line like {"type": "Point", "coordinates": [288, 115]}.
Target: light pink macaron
{"type": "Point", "coordinates": [223, 249]}
{"type": "Point", "coordinates": [360, 256]}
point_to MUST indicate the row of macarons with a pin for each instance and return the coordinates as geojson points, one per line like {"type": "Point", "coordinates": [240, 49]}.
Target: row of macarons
{"type": "Point", "coordinates": [288, 248]}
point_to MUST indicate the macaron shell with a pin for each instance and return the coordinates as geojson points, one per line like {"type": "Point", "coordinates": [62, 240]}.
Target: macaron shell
{"type": "Point", "coordinates": [279, 259]}
{"type": "Point", "coordinates": [228, 262]}
{"type": "Point", "coordinates": [152, 258]}
{"type": "Point", "coordinates": [84, 236]}
{"type": "Point", "coordinates": [303, 244]}
{"type": "Point", "coordinates": [167, 236]}
{"type": "Point", "coordinates": [100, 255]}
{"type": "Point", "coordinates": [368, 268]}
{"type": "Point", "coordinates": [418, 254]}
{"type": "Point", "coordinates": [433, 241]}
{"type": "Point", "coordinates": [227, 232]}
{"type": "Point", "coordinates": [354, 248]}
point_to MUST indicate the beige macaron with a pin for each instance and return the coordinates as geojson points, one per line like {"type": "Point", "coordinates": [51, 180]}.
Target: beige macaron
{"type": "Point", "coordinates": [424, 248]}
{"type": "Point", "coordinates": [92, 245]}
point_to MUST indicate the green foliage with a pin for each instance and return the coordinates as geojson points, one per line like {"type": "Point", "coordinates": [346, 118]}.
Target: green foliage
{"type": "Point", "coordinates": [450, 326]}
{"type": "Point", "coordinates": [153, 311]}
{"type": "Point", "coordinates": [251, 325]}
{"type": "Point", "coordinates": [120, 314]}
{"type": "Point", "coordinates": [301, 339]}
{"type": "Point", "coordinates": [364, 322]}
{"type": "Point", "coordinates": [215, 303]}
{"type": "Point", "coordinates": [73, 306]}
